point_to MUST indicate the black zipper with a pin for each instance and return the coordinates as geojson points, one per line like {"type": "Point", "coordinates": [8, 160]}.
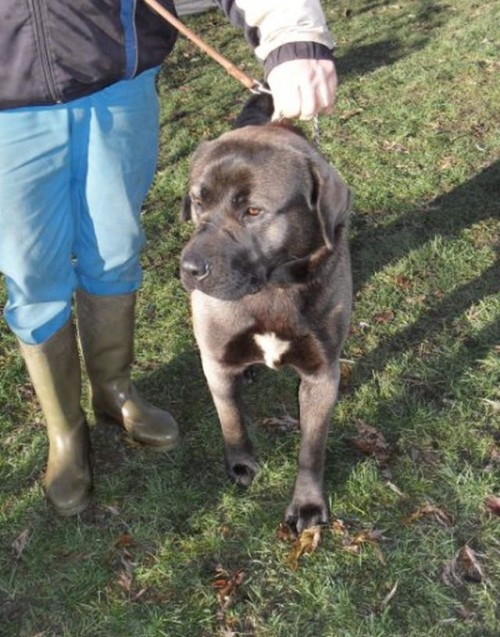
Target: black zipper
{"type": "Point", "coordinates": [41, 38]}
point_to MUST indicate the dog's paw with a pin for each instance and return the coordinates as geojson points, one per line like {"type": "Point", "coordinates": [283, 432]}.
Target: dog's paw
{"type": "Point", "coordinates": [242, 469]}
{"type": "Point", "coordinates": [304, 515]}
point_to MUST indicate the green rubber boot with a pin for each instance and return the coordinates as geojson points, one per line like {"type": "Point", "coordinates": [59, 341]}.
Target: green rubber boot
{"type": "Point", "coordinates": [106, 328]}
{"type": "Point", "coordinates": [54, 369]}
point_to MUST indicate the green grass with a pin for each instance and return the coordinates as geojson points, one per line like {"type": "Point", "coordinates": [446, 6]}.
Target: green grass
{"type": "Point", "coordinates": [416, 134]}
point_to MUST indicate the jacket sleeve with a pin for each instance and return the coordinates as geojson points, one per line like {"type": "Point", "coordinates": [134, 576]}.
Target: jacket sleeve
{"type": "Point", "coordinates": [281, 30]}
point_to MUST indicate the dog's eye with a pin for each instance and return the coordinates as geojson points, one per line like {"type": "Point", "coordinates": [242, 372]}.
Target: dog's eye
{"type": "Point", "coordinates": [253, 212]}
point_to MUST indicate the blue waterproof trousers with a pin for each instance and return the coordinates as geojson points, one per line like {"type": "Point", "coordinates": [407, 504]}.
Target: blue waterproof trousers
{"type": "Point", "coordinates": [73, 178]}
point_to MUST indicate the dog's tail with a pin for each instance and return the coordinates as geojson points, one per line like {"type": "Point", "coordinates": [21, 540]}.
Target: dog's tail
{"type": "Point", "coordinates": [257, 111]}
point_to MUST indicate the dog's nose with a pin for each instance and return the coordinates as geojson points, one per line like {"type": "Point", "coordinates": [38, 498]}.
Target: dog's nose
{"type": "Point", "coordinates": [196, 267]}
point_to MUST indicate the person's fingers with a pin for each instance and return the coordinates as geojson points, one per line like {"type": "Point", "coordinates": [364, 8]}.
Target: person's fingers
{"type": "Point", "coordinates": [286, 94]}
{"type": "Point", "coordinates": [303, 88]}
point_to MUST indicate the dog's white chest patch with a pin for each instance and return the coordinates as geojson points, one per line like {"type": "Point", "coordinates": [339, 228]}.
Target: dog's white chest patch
{"type": "Point", "coordinates": [272, 348]}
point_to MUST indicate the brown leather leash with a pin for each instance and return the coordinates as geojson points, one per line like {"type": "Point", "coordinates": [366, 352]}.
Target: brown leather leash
{"type": "Point", "coordinates": [250, 83]}
{"type": "Point", "coordinates": [253, 85]}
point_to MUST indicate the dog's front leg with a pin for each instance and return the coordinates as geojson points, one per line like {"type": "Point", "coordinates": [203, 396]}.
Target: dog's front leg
{"type": "Point", "coordinates": [225, 387]}
{"type": "Point", "coordinates": [317, 396]}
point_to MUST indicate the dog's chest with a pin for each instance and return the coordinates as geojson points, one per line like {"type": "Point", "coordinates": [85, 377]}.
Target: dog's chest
{"type": "Point", "coordinates": [272, 347]}
{"type": "Point", "coordinates": [275, 349]}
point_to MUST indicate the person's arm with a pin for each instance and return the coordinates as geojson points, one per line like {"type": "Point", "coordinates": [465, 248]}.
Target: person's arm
{"type": "Point", "coordinates": [292, 40]}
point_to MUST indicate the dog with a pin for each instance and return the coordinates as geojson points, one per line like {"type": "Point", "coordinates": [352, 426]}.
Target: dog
{"type": "Point", "coordinates": [268, 272]}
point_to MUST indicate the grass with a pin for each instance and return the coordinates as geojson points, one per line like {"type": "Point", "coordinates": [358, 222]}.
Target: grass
{"type": "Point", "coordinates": [416, 134]}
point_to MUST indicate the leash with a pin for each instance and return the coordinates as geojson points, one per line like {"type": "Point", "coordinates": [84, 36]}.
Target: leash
{"type": "Point", "coordinates": [253, 85]}
{"type": "Point", "coordinates": [248, 82]}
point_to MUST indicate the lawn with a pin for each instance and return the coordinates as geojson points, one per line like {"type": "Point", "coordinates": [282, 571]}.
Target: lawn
{"type": "Point", "coordinates": [169, 547]}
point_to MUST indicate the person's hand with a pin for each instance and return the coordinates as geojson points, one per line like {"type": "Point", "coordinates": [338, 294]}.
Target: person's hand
{"type": "Point", "coordinates": [303, 88]}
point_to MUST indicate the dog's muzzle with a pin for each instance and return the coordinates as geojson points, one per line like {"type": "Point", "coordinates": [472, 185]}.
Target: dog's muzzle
{"type": "Point", "coordinates": [195, 268]}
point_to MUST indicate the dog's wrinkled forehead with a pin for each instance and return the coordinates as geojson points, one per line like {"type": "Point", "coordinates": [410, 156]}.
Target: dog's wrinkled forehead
{"type": "Point", "coordinates": [243, 168]}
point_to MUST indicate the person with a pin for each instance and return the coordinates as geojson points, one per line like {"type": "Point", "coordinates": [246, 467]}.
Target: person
{"type": "Point", "coordinates": [78, 147]}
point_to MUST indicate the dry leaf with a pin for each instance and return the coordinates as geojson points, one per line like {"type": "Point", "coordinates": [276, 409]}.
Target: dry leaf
{"type": "Point", "coordinates": [284, 532]}
{"type": "Point", "coordinates": [366, 537]}
{"type": "Point", "coordinates": [226, 585]}
{"type": "Point", "coordinates": [112, 509]}
{"type": "Point", "coordinates": [307, 542]}
{"type": "Point", "coordinates": [350, 114]}
{"type": "Point", "coordinates": [446, 163]}
{"type": "Point", "coordinates": [440, 515]}
{"type": "Point", "coordinates": [463, 567]}
{"type": "Point", "coordinates": [345, 375]}
{"type": "Point", "coordinates": [338, 527]}
{"type": "Point", "coordinates": [19, 544]}
{"type": "Point", "coordinates": [281, 424]}
{"type": "Point", "coordinates": [416, 300]}
{"type": "Point", "coordinates": [124, 540]}
{"type": "Point", "coordinates": [494, 404]}
{"type": "Point", "coordinates": [394, 147]}
{"type": "Point", "coordinates": [492, 503]}
{"type": "Point", "coordinates": [352, 544]}
{"type": "Point", "coordinates": [125, 576]}
{"type": "Point", "coordinates": [388, 597]}
{"type": "Point", "coordinates": [403, 282]}
{"type": "Point", "coordinates": [395, 489]}
{"type": "Point", "coordinates": [384, 317]}
{"type": "Point", "coordinates": [371, 442]}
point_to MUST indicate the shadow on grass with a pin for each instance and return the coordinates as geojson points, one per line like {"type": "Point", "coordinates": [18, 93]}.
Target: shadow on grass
{"type": "Point", "coordinates": [366, 58]}
{"type": "Point", "coordinates": [447, 217]}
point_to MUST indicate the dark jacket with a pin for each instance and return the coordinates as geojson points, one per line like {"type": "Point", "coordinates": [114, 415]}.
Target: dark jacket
{"type": "Point", "coordinates": [55, 51]}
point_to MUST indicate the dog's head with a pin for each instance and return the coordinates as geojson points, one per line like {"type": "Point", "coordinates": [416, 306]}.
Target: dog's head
{"type": "Point", "coordinates": [265, 206]}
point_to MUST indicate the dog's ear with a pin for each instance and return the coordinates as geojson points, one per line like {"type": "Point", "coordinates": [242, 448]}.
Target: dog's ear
{"type": "Point", "coordinates": [332, 199]}
{"type": "Point", "coordinates": [186, 209]}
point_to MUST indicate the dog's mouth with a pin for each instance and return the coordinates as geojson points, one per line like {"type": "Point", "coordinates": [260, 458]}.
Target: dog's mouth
{"type": "Point", "coordinates": [230, 282]}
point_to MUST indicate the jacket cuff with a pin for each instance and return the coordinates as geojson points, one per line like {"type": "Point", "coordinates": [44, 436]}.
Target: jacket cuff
{"type": "Point", "coordinates": [296, 51]}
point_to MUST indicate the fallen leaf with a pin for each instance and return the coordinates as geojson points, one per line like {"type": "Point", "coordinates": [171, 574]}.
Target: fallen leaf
{"type": "Point", "coordinates": [352, 544]}
{"type": "Point", "coordinates": [125, 576]}
{"type": "Point", "coordinates": [394, 147]}
{"type": "Point", "coordinates": [384, 317]}
{"type": "Point", "coordinates": [402, 282]}
{"type": "Point", "coordinates": [394, 488]}
{"type": "Point", "coordinates": [112, 509]}
{"type": "Point", "coordinates": [281, 424]}
{"type": "Point", "coordinates": [19, 544]}
{"type": "Point", "coordinates": [345, 375]}
{"type": "Point", "coordinates": [307, 542]}
{"type": "Point", "coordinates": [284, 533]}
{"type": "Point", "coordinates": [492, 503]}
{"type": "Point", "coordinates": [370, 441]}
{"type": "Point", "coordinates": [388, 597]}
{"type": "Point", "coordinates": [463, 567]}
{"type": "Point", "coordinates": [350, 114]}
{"type": "Point", "coordinates": [416, 300]}
{"type": "Point", "coordinates": [446, 162]}
{"type": "Point", "coordinates": [226, 585]}
{"type": "Point", "coordinates": [493, 458]}
{"type": "Point", "coordinates": [425, 456]}
{"type": "Point", "coordinates": [366, 537]}
{"type": "Point", "coordinates": [124, 540]}
{"type": "Point", "coordinates": [494, 404]}
{"type": "Point", "coordinates": [430, 510]}
{"type": "Point", "coordinates": [338, 527]}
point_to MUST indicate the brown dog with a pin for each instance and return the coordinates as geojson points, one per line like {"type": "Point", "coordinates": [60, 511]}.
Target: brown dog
{"type": "Point", "coordinates": [268, 270]}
